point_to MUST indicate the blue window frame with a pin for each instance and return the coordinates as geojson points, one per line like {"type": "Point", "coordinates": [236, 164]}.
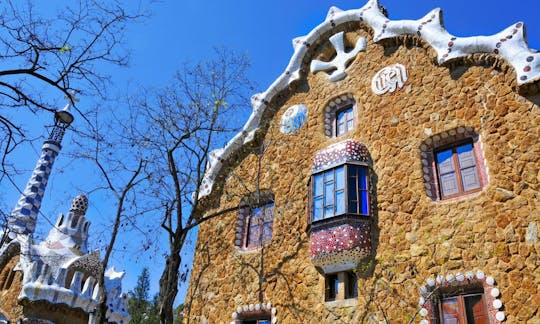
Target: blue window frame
{"type": "Point", "coordinates": [341, 190]}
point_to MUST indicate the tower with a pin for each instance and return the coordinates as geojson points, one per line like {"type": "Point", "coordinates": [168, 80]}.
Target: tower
{"type": "Point", "coordinates": [22, 220]}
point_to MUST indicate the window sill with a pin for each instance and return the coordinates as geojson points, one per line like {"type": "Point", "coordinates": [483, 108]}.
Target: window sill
{"type": "Point", "coordinates": [466, 196]}
{"type": "Point", "coordinates": [342, 303]}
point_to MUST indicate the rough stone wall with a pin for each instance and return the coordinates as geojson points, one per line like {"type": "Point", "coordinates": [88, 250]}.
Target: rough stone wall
{"type": "Point", "coordinates": [415, 238]}
{"type": "Point", "coordinates": [8, 297]}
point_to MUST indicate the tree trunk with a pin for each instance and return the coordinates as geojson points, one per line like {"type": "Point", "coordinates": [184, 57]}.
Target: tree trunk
{"type": "Point", "coordinates": [168, 287]}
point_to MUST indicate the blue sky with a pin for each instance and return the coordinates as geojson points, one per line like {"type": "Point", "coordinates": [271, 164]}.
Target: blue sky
{"type": "Point", "coordinates": [180, 31]}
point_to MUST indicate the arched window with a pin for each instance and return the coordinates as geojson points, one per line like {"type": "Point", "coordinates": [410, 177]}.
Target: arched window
{"type": "Point", "coordinates": [340, 116]}
{"type": "Point", "coordinates": [255, 221]}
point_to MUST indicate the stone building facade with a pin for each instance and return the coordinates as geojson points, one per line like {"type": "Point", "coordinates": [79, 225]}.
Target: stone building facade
{"type": "Point", "coordinates": [53, 281]}
{"type": "Point", "coordinates": [389, 175]}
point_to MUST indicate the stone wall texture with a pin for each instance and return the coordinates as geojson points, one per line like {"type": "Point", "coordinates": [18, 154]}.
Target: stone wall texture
{"type": "Point", "coordinates": [414, 237]}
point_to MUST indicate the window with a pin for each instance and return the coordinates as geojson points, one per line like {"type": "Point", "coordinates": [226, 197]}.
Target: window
{"type": "Point", "coordinates": [456, 170]}
{"type": "Point", "coordinates": [341, 190]}
{"type": "Point", "coordinates": [466, 308]}
{"type": "Point", "coordinates": [255, 221]}
{"type": "Point", "coordinates": [453, 163]}
{"type": "Point", "coordinates": [341, 285]}
{"type": "Point", "coordinates": [340, 115]}
{"type": "Point", "coordinates": [344, 120]}
{"type": "Point", "coordinates": [259, 225]}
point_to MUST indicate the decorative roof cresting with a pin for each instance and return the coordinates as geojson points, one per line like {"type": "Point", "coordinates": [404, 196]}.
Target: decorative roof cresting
{"type": "Point", "coordinates": [510, 44]}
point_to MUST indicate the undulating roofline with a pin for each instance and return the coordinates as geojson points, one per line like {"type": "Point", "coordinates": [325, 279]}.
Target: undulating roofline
{"type": "Point", "coordinates": [509, 44]}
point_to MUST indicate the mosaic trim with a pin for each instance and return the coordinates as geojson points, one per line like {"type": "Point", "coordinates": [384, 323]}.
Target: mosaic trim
{"type": "Point", "coordinates": [23, 217]}
{"type": "Point", "coordinates": [339, 153]}
{"type": "Point", "coordinates": [510, 44]}
{"type": "Point", "coordinates": [431, 183]}
{"type": "Point", "coordinates": [247, 311]}
{"type": "Point", "coordinates": [336, 67]}
{"type": "Point", "coordinates": [491, 293]}
{"type": "Point", "coordinates": [340, 247]}
{"type": "Point", "coordinates": [330, 112]}
{"type": "Point", "coordinates": [389, 79]}
{"type": "Point", "coordinates": [293, 119]}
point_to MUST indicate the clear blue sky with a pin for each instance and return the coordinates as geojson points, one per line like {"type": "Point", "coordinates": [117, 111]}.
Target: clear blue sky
{"type": "Point", "coordinates": [180, 31]}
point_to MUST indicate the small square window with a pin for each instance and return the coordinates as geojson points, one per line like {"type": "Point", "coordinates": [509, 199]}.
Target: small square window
{"type": "Point", "coordinates": [341, 285]}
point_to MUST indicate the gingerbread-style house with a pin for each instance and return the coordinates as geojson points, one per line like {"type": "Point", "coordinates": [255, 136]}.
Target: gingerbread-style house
{"type": "Point", "coordinates": [389, 175]}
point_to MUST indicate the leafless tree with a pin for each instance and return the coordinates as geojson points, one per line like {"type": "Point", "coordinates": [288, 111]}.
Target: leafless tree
{"type": "Point", "coordinates": [42, 58]}
{"type": "Point", "coordinates": [184, 122]}
{"type": "Point", "coordinates": [120, 166]}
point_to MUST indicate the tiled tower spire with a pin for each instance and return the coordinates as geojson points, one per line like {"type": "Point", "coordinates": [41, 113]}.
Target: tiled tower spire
{"type": "Point", "coordinates": [23, 218]}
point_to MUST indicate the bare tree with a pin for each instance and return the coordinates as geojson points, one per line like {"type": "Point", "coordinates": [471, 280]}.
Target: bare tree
{"type": "Point", "coordinates": [185, 121]}
{"type": "Point", "coordinates": [42, 57]}
{"type": "Point", "coordinates": [120, 166]}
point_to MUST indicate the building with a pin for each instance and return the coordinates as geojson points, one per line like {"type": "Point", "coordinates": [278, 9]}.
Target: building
{"type": "Point", "coordinates": [389, 175]}
{"type": "Point", "coordinates": [54, 281]}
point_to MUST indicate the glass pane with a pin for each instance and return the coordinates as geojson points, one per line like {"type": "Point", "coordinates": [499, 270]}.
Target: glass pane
{"type": "Point", "coordinates": [445, 162]}
{"type": "Point", "coordinates": [329, 211]}
{"type": "Point", "coordinates": [268, 212]}
{"type": "Point", "coordinates": [317, 184]}
{"type": "Point", "coordinates": [450, 311]}
{"type": "Point", "coordinates": [341, 129]}
{"type": "Point", "coordinates": [329, 175]}
{"type": "Point", "coordinates": [329, 193]}
{"type": "Point", "coordinates": [449, 184]}
{"type": "Point", "coordinates": [362, 171]}
{"type": "Point", "coordinates": [353, 208]}
{"type": "Point", "coordinates": [341, 117]}
{"type": "Point", "coordinates": [350, 124]}
{"type": "Point", "coordinates": [340, 178]}
{"type": "Point", "coordinates": [475, 310]}
{"type": "Point", "coordinates": [255, 213]}
{"type": "Point", "coordinates": [353, 195]}
{"type": "Point", "coordinates": [470, 180]}
{"type": "Point", "coordinates": [266, 232]}
{"type": "Point", "coordinates": [465, 155]}
{"type": "Point", "coordinates": [340, 202]}
{"type": "Point", "coordinates": [254, 234]}
{"type": "Point", "coordinates": [264, 321]}
{"type": "Point", "coordinates": [364, 203]}
{"type": "Point", "coordinates": [317, 208]}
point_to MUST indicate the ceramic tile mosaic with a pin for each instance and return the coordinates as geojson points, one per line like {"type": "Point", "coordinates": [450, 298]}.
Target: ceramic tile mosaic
{"type": "Point", "coordinates": [339, 153]}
